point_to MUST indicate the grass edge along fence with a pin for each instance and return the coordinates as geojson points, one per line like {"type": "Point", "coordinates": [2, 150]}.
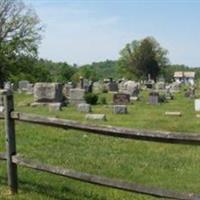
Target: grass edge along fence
{"type": "Point", "coordinates": [13, 159]}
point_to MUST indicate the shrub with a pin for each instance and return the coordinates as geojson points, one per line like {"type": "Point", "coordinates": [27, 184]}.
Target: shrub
{"type": "Point", "coordinates": [91, 98]}
{"type": "Point", "coordinates": [103, 100]}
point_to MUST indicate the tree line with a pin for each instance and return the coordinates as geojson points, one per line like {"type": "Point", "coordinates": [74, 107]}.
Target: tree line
{"type": "Point", "coordinates": [21, 33]}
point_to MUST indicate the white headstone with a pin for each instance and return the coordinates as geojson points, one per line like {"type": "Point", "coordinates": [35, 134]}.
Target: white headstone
{"type": "Point", "coordinates": [197, 104]}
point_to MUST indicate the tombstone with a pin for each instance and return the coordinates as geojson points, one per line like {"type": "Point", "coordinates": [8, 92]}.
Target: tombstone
{"type": "Point", "coordinates": [45, 93]}
{"type": "Point", "coordinates": [131, 87]}
{"type": "Point", "coordinates": [22, 85]}
{"type": "Point", "coordinates": [113, 87]}
{"type": "Point", "coordinates": [120, 109]}
{"type": "Point", "coordinates": [8, 86]}
{"type": "Point", "coordinates": [97, 87]}
{"type": "Point", "coordinates": [81, 82]}
{"type": "Point", "coordinates": [153, 98]}
{"type": "Point", "coordinates": [77, 96]}
{"type": "Point", "coordinates": [30, 88]}
{"type": "Point", "coordinates": [66, 90]}
{"type": "Point", "coordinates": [190, 92]}
{"type": "Point", "coordinates": [197, 105]}
{"type": "Point", "coordinates": [84, 107]}
{"type": "Point", "coordinates": [160, 85]}
{"type": "Point", "coordinates": [95, 117]}
{"type": "Point", "coordinates": [121, 99]}
{"type": "Point", "coordinates": [53, 107]}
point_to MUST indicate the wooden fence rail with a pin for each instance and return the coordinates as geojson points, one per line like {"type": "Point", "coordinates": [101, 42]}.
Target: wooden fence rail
{"type": "Point", "coordinates": [13, 159]}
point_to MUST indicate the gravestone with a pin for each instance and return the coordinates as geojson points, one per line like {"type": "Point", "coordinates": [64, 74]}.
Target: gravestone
{"type": "Point", "coordinates": [95, 117]}
{"type": "Point", "coordinates": [84, 107]}
{"type": "Point", "coordinates": [66, 90]}
{"type": "Point", "coordinates": [22, 85]}
{"type": "Point", "coordinates": [197, 105]}
{"type": "Point", "coordinates": [53, 107]}
{"type": "Point", "coordinates": [121, 99]}
{"type": "Point", "coordinates": [120, 109]}
{"type": "Point", "coordinates": [153, 98]}
{"type": "Point", "coordinates": [113, 87]}
{"type": "Point", "coordinates": [30, 88]}
{"type": "Point", "coordinates": [77, 96]}
{"type": "Point", "coordinates": [45, 93]}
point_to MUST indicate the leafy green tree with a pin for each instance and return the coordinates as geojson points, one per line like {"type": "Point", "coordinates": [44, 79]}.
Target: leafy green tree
{"type": "Point", "coordinates": [20, 34]}
{"type": "Point", "coordinates": [143, 57]}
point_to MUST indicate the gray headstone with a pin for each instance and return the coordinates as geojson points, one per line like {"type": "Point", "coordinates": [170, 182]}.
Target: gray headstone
{"type": "Point", "coordinates": [77, 96]}
{"type": "Point", "coordinates": [95, 117]}
{"type": "Point", "coordinates": [53, 107]}
{"type": "Point", "coordinates": [153, 98]}
{"type": "Point", "coordinates": [22, 85]}
{"type": "Point", "coordinates": [84, 107]}
{"type": "Point", "coordinates": [120, 109]}
{"type": "Point", "coordinates": [48, 92]}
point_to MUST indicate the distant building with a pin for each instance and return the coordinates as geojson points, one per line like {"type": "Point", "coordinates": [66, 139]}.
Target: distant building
{"type": "Point", "coordinates": [184, 77]}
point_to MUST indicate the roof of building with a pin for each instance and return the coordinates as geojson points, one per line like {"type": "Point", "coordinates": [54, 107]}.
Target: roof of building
{"type": "Point", "coordinates": [188, 74]}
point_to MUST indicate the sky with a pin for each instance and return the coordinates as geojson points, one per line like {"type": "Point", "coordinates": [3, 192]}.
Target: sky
{"type": "Point", "coordinates": [88, 31]}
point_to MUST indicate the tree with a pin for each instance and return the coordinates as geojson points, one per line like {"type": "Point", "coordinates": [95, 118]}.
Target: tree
{"type": "Point", "coordinates": [141, 58]}
{"type": "Point", "coordinates": [20, 34]}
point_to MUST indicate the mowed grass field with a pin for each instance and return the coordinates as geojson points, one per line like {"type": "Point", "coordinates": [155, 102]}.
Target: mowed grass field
{"type": "Point", "coordinates": [170, 166]}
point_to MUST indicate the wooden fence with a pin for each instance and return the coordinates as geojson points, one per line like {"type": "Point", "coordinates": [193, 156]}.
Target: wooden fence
{"type": "Point", "coordinates": [13, 160]}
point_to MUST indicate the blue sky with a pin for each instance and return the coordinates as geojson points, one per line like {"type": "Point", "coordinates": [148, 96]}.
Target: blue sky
{"type": "Point", "coordinates": [86, 31]}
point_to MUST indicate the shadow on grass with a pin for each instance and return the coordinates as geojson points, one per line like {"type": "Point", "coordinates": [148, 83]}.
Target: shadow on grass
{"type": "Point", "coordinates": [52, 192]}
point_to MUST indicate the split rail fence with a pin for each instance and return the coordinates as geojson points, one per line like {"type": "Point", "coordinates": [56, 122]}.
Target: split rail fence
{"type": "Point", "coordinates": [13, 159]}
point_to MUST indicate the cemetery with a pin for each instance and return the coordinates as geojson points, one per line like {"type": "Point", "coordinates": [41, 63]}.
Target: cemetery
{"type": "Point", "coordinates": [151, 111]}
{"type": "Point", "coordinates": [93, 107]}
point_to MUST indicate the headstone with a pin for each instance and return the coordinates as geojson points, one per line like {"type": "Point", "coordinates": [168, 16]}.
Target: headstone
{"type": "Point", "coordinates": [66, 90]}
{"type": "Point", "coordinates": [121, 99]}
{"type": "Point", "coordinates": [77, 96]}
{"type": "Point", "coordinates": [95, 117]}
{"type": "Point", "coordinates": [120, 109]}
{"type": "Point", "coordinates": [173, 113]}
{"type": "Point", "coordinates": [48, 93]}
{"type": "Point", "coordinates": [84, 107]}
{"type": "Point", "coordinates": [197, 105]}
{"type": "Point", "coordinates": [97, 87]}
{"type": "Point", "coordinates": [22, 85]}
{"type": "Point", "coordinates": [153, 98]}
{"type": "Point", "coordinates": [53, 107]}
{"type": "Point", "coordinates": [1, 108]}
{"type": "Point", "coordinates": [113, 87]}
{"type": "Point", "coordinates": [30, 88]}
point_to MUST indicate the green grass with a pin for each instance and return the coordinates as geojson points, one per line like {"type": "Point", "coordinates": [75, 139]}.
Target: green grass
{"type": "Point", "coordinates": [169, 166]}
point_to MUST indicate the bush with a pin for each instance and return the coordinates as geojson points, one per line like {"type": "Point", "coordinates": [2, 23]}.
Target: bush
{"type": "Point", "coordinates": [103, 100]}
{"type": "Point", "coordinates": [91, 98]}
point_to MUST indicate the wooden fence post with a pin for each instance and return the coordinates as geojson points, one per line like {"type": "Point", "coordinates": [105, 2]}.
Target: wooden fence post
{"type": "Point", "coordinates": [10, 141]}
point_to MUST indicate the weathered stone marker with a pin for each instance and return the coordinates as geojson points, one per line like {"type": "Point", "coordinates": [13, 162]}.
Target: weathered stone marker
{"type": "Point", "coordinates": [120, 109]}
{"type": "Point", "coordinates": [153, 98]}
{"type": "Point", "coordinates": [45, 93]}
{"type": "Point", "coordinates": [77, 96]}
{"type": "Point", "coordinates": [95, 117]}
{"type": "Point", "coordinates": [84, 107]}
{"type": "Point", "coordinates": [197, 105]}
{"type": "Point", "coordinates": [173, 114]}
{"type": "Point", "coordinates": [121, 99]}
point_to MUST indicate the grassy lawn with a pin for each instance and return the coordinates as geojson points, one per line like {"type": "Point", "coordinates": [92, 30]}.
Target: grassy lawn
{"type": "Point", "coordinates": [169, 166]}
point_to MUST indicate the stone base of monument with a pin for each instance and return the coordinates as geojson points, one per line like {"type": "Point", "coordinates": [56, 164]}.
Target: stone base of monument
{"type": "Point", "coordinates": [84, 107]}
{"type": "Point", "coordinates": [95, 117]}
{"type": "Point", "coordinates": [2, 109]}
{"type": "Point", "coordinates": [179, 114]}
{"type": "Point", "coordinates": [35, 104]}
{"type": "Point", "coordinates": [120, 109]}
{"type": "Point", "coordinates": [53, 107]}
